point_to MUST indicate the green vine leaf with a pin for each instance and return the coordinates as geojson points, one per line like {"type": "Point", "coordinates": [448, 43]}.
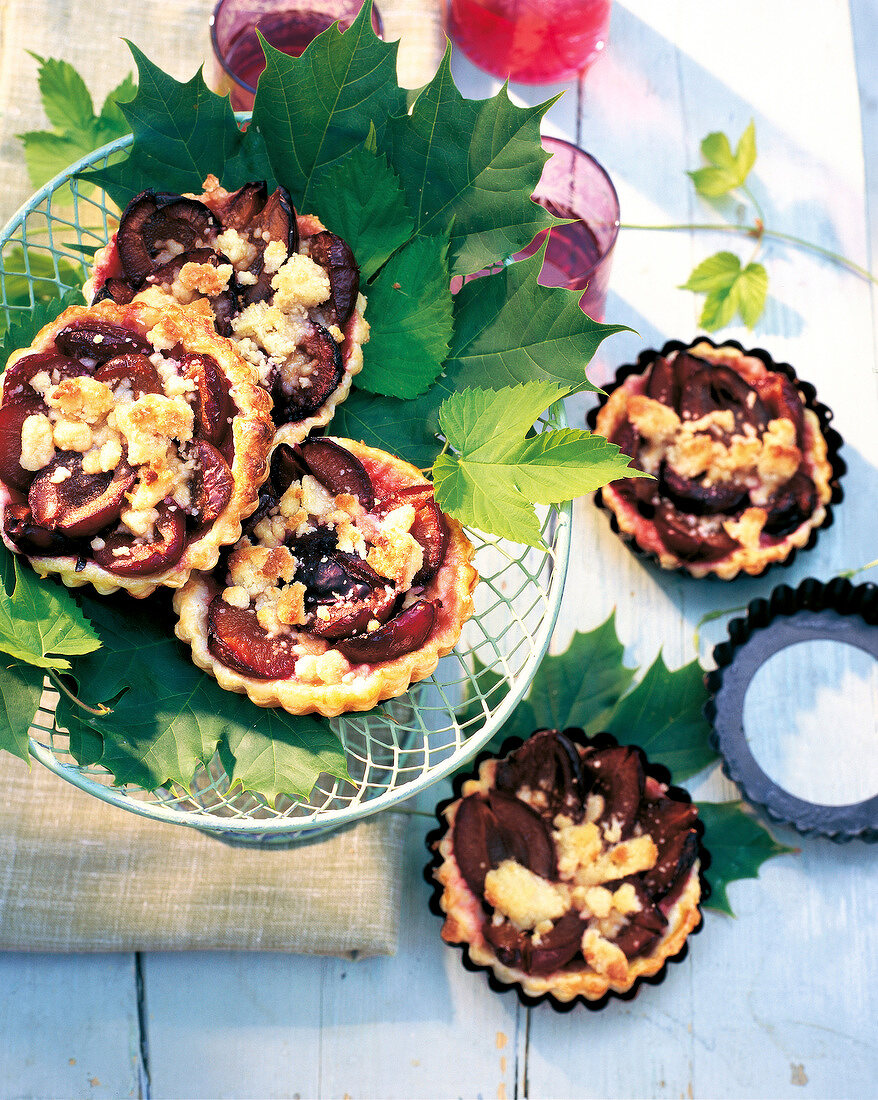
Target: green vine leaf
{"type": "Point", "coordinates": [405, 428]}
{"type": "Point", "coordinates": [412, 297]}
{"type": "Point", "coordinates": [738, 847]}
{"type": "Point", "coordinates": [499, 472]}
{"type": "Point", "coordinates": [26, 323]}
{"type": "Point", "coordinates": [729, 289]}
{"type": "Point", "coordinates": [40, 623]}
{"type": "Point", "coordinates": [727, 170]}
{"type": "Point", "coordinates": [21, 686]}
{"type": "Point", "coordinates": [509, 329]}
{"type": "Point", "coordinates": [31, 278]}
{"type": "Point", "coordinates": [471, 165]}
{"type": "Point", "coordinates": [314, 109]}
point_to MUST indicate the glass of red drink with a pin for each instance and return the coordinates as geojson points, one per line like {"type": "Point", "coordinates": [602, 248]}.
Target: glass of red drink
{"type": "Point", "coordinates": [531, 41]}
{"type": "Point", "coordinates": [289, 25]}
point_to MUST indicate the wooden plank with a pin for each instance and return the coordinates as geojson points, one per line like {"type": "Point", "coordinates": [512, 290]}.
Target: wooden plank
{"type": "Point", "coordinates": [69, 1026]}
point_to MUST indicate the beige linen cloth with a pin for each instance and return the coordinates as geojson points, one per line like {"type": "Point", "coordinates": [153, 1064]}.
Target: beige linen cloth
{"type": "Point", "coordinates": [76, 874]}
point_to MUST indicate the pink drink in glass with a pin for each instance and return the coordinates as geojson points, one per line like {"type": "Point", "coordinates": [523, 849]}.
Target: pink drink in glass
{"type": "Point", "coordinates": [532, 41]}
{"type": "Point", "coordinates": [288, 25]}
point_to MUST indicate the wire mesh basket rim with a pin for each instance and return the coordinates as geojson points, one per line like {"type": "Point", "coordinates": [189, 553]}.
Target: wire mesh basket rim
{"type": "Point", "coordinates": [318, 819]}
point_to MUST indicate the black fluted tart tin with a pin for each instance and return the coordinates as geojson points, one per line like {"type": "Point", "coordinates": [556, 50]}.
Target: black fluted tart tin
{"type": "Point", "coordinates": [600, 740]}
{"type": "Point", "coordinates": [836, 611]}
{"type": "Point", "coordinates": [824, 414]}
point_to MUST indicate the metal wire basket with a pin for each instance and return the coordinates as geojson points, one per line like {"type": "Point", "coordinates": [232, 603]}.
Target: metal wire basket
{"type": "Point", "coordinates": [393, 752]}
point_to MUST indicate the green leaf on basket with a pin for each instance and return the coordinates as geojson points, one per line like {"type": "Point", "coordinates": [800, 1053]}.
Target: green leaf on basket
{"type": "Point", "coordinates": [738, 847]}
{"type": "Point", "coordinates": [283, 754]}
{"type": "Point", "coordinates": [509, 329]}
{"type": "Point", "coordinates": [21, 686]}
{"type": "Point", "coordinates": [730, 289]}
{"type": "Point", "coordinates": [412, 296]}
{"type": "Point", "coordinates": [727, 170]}
{"type": "Point", "coordinates": [25, 324]}
{"type": "Point", "coordinates": [31, 277]}
{"type": "Point", "coordinates": [41, 623]}
{"type": "Point", "coordinates": [500, 471]}
{"type": "Point", "coordinates": [405, 428]}
{"type": "Point", "coordinates": [664, 715]}
{"type": "Point", "coordinates": [314, 109]}
{"type": "Point", "coordinates": [362, 199]}
{"type": "Point", "coordinates": [182, 133]}
{"type": "Point", "coordinates": [167, 716]}
{"type": "Point", "coordinates": [471, 165]}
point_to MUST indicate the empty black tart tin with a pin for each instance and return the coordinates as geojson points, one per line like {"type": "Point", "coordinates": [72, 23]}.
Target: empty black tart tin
{"type": "Point", "coordinates": [434, 838]}
{"type": "Point", "coordinates": [809, 396]}
{"type": "Point", "coordinates": [837, 611]}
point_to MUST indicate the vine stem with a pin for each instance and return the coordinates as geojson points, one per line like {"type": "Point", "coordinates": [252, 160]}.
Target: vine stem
{"type": "Point", "coordinates": [100, 711]}
{"type": "Point", "coordinates": [759, 231]}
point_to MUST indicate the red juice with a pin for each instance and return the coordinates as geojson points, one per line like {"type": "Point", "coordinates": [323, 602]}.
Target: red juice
{"type": "Point", "coordinates": [532, 41]}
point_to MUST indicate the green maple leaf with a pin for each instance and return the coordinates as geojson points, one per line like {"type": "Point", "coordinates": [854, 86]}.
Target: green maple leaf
{"type": "Point", "coordinates": [314, 109]}
{"type": "Point", "coordinates": [167, 716]}
{"type": "Point", "coordinates": [21, 686]}
{"type": "Point", "coordinates": [727, 170]}
{"type": "Point", "coordinates": [40, 623]}
{"type": "Point", "coordinates": [471, 165]}
{"type": "Point", "coordinates": [362, 199]}
{"type": "Point", "coordinates": [664, 716]}
{"type": "Point", "coordinates": [508, 329]}
{"type": "Point", "coordinates": [412, 298]}
{"type": "Point", "coordinates": [499, 471]}
{"type": "Point", "coordinates": [281, 754]}
{"type": "Point", "coordinates": [738, 847]}
{"type": "Point", "coordinates": [182, 132]}
{"type": "Point", "coordinates": [729, 289]}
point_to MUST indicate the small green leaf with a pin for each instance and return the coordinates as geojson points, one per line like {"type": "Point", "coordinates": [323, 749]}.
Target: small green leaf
{"type": "Point", "coordinates": [717, 272]}
{"type": "Point", "coordinates": [716, 149]}
{"type": "Point", "coordinates": [281, 755]}
{"type": "Point", "coordinates": [664, 715]}
{"type": "Point", "coordinates": [66, 100]}
{"type": "Point", "coordinates": [509, 329]}
{"type": "Point", "coordinates": [714, 182]}
{"type": "Point", "coordinates": [745, 153]}
{"type": "Point", "coordinates": [751, 290]}
{"type": "Point", "coordinates": [21, 686]}
{"type": "Point", "coordinates": [497, 475]}
{"type": "Point", "coordinates": [738, 847]}
{"type": "Point", "coordinates": [727, 170]}
{"type": "Point", "coordinates": [111, 116]}
{"type": "Point", "coordinates": [314, 109]}
{"type": "Point", "coordinates": [361, 197]}
{"type": "Point", "coordinates": [41, 623]}
{"type": "Point", "coordinates": [410, 313]}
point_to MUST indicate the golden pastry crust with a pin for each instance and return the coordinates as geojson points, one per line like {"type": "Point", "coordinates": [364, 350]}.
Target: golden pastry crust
{"type": "Point", "coordinates": [168, 329]}
{"type": "Point", "coordinates": [754, 551]}
{"type": "Point", "coordinates": [354, 687]}
{"type": "Point", "coordinates": [465, 922]}
{"type": "Point", "coordinates": [188, 294]}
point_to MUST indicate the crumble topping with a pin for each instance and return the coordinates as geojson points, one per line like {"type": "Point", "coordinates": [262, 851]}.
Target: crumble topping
{"type": "Point", "coordinates": [525, 898]}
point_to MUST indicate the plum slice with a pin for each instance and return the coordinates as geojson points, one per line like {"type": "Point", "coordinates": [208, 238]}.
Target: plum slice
{"type": "Point", "coordinates": [133, 369]}
{"type": "Point", "coordinates": [296, 398]}
{"type": "Point", "coordinates": [136, 260]}
{"type": "Point", "coordinates": [338, 470]}
{"type": "Point", "coordinates": [662, 385]}
{"type": "Point", "coordinates": [287, 465]}
{"type": "Point", "coordinates": [276, 221]}
{"type": "Point", "coordinates": [63, 498]}
{"type": "Point", "coordinates": [212, 483]}
{"type": "Point", "coordinates": [547, 762]}
{"type": "Point", "coordinates": [213, 405]}
{"type": "Point", "coordinates": [115, 290]}
{"type": "Point", "coordinates": [431, 531]}
{"type": "Point", "coordinates": [780, 395]}
{"type": "Point", "coordinates": [556, 948]}
{"type": "Point", "coordinates": [693, 496]}
{"type": "Point", "coordinates": [28, 536]}
{"type": "Point", "coordinates": [486, 832]}
{"type": "Point", "coordinates": [792, 505]}
{"type": "Point", "coordinates": [124, 555]}
{"type": "Point", "coordinates": [617, 774]}
{"type": "Point", "coordinates": [12, 418]}
{"type": "Point", "coordinates": [688, 539]}
{"type": "Point", "coordinates": [645, 927]}
{"type": "Point", "coordinates": [405, 632]}
{"type": "Point", "coordinates": [712, 387]}
{"type": "Point", "coordinates": [99, 340]}
{"type": "Point", "coordinates": [185, 222]}
{"type": "Point", "coordinates": [675, 860]}
{"type": "Point", "coordinates": [235, 638]}
{"type": "Point", "coordinates": [342, 618]}
{"type": "Point", "coordinates": [17, 379]}
{"type": "Point", "coordinates": [335, 256]}
{"type": "Point", "coordinates": [242, 206]}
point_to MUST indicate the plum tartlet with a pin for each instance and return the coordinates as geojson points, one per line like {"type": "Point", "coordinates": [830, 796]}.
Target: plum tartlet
{"type": "Point", "coordinates": [348, 585]}
{"type": "Point", "coordinates": [280, 285]}
{"type": "Point", "coordinates": [567, 868]}
{"type": "Point", "coordinates": [133, 441]}
{"type": "Point", "coordinates": [742, 472]}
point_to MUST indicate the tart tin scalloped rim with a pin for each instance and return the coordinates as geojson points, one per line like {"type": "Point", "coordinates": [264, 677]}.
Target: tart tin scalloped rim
{"type": "Point", "coordinates": [837, 610]}
{"type": "Point", "coordinates": [834, 442]}
{"type": "Point", "coordinates": [600, 740]}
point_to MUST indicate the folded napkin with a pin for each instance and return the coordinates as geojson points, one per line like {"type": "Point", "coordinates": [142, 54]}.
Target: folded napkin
{"type": "Point", "coordinates": [75, 873]}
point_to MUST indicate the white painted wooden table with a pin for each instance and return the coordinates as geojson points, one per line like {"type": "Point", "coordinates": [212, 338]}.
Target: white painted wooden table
{"type": "Point", "coordinates": [778, 1002]}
